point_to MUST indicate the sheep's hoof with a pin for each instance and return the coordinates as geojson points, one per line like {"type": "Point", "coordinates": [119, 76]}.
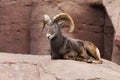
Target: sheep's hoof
{"type": "Point", "coordinates": [67, 57]}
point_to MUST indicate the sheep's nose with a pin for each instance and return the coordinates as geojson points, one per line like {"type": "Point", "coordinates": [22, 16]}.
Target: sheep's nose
{"type": "Point", "coordinates": [48, 35]}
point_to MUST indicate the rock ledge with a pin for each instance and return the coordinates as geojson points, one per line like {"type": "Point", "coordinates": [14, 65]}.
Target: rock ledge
{"type": "Point", "coordinates": [35, 67]}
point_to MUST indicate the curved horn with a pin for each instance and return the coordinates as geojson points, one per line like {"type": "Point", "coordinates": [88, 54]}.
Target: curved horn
{"type": "Point", "coordinates": [46, 19]}
{"type": "Point", "coordinates": [64, 16]}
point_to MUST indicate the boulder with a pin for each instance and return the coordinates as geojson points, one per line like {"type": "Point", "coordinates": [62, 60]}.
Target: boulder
{"type": "Point", "coordinates": [113, 10]}
{"type": "Point", "coordinates": [41, 67]}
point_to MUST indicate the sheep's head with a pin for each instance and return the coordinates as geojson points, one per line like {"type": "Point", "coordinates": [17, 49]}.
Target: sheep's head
{"type": "Point", "coordinates": [53, 25]}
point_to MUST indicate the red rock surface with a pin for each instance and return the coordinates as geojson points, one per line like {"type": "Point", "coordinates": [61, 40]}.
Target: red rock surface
{"type": "Point", "coordinates": [31, 67]}
{"type": "Point", "coordinates": [113, 10]}
{"type": "Point", "coordinates": [15, 26]}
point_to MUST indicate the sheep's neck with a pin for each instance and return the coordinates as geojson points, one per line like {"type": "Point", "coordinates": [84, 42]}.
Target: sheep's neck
{"type": "Point", "coordinates": [57, 42]}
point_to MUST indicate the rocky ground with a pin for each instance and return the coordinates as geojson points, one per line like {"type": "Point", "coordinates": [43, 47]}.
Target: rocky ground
{"type": "Point", "coordinates": [35, 67]}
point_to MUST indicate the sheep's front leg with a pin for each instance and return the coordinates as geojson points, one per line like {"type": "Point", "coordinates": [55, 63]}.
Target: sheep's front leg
{"type": "Point", "coordinates": [56, 55]}
{"type": "Point", "coordinates": [70, 56]}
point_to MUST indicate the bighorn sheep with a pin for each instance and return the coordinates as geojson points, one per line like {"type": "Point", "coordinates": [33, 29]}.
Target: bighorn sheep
{"type": "Point", "coordinates": [63, 47]}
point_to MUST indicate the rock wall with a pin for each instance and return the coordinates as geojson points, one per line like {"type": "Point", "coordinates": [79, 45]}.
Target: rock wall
{"type": "Point", "coordinates": [108, 38]}
{"type": "Point", "coordinates": [15, 16]}
{"type": "Point", "coordinates": [113, 9]}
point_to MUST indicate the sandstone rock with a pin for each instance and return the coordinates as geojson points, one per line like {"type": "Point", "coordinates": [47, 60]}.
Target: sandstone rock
{"type": "Point", "coordinates": [31, 67]}
{"type": "Point", "coordinates": [116, 51]}
{"type": "Point", "coordinates": [117, 41]}
{"type": "Point", "coordinates": [113, 10]}
{"type": "Point", "coordinates": [15, 26]}
{"type": "Point", "coordinates": [89, 2]}
{"type": "Point", "coordinates": [108, 38]}
{"type": "Point", "coordinates": [15, 38]}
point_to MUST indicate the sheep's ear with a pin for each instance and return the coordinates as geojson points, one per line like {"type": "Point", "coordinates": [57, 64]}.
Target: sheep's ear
{"type": "Point", "coordinates": [61, 23]}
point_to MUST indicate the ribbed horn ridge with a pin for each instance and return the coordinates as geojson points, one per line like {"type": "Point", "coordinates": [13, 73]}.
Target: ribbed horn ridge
{"type": "Point", "coordinates": [68, 18]}
{"type": "Point", "coordinates": [46, 19]}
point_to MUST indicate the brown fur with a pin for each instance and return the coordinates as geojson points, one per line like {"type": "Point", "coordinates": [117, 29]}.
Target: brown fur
{"type": "Point", "coordinates": [87, 53]}
{"type": "Point", "coordinates": [63, 47]}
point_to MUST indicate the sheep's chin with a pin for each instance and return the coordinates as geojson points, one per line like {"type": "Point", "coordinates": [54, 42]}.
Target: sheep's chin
{"type": "Point", "coordinates": [49, 36]}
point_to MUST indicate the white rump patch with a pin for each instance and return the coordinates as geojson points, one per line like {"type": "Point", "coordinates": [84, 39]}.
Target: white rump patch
{"type": "Point", "coordinates": [98, 53]}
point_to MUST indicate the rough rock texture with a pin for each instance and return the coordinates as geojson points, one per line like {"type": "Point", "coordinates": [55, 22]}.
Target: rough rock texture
{"type": "Point", "coordinates": [15, 16]}
{"type": "Point", "coordinates": [31, 67]}
{"type": "Point", "coordinates": [113, 10]}
{"type": "Point", "coordinates": [108, 38]}
{"type": "Point", "coordinates": [91, 21]}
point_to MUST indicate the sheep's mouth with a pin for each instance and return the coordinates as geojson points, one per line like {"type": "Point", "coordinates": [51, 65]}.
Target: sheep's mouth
{"type": "Point", "coordinates": [49, 36]}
